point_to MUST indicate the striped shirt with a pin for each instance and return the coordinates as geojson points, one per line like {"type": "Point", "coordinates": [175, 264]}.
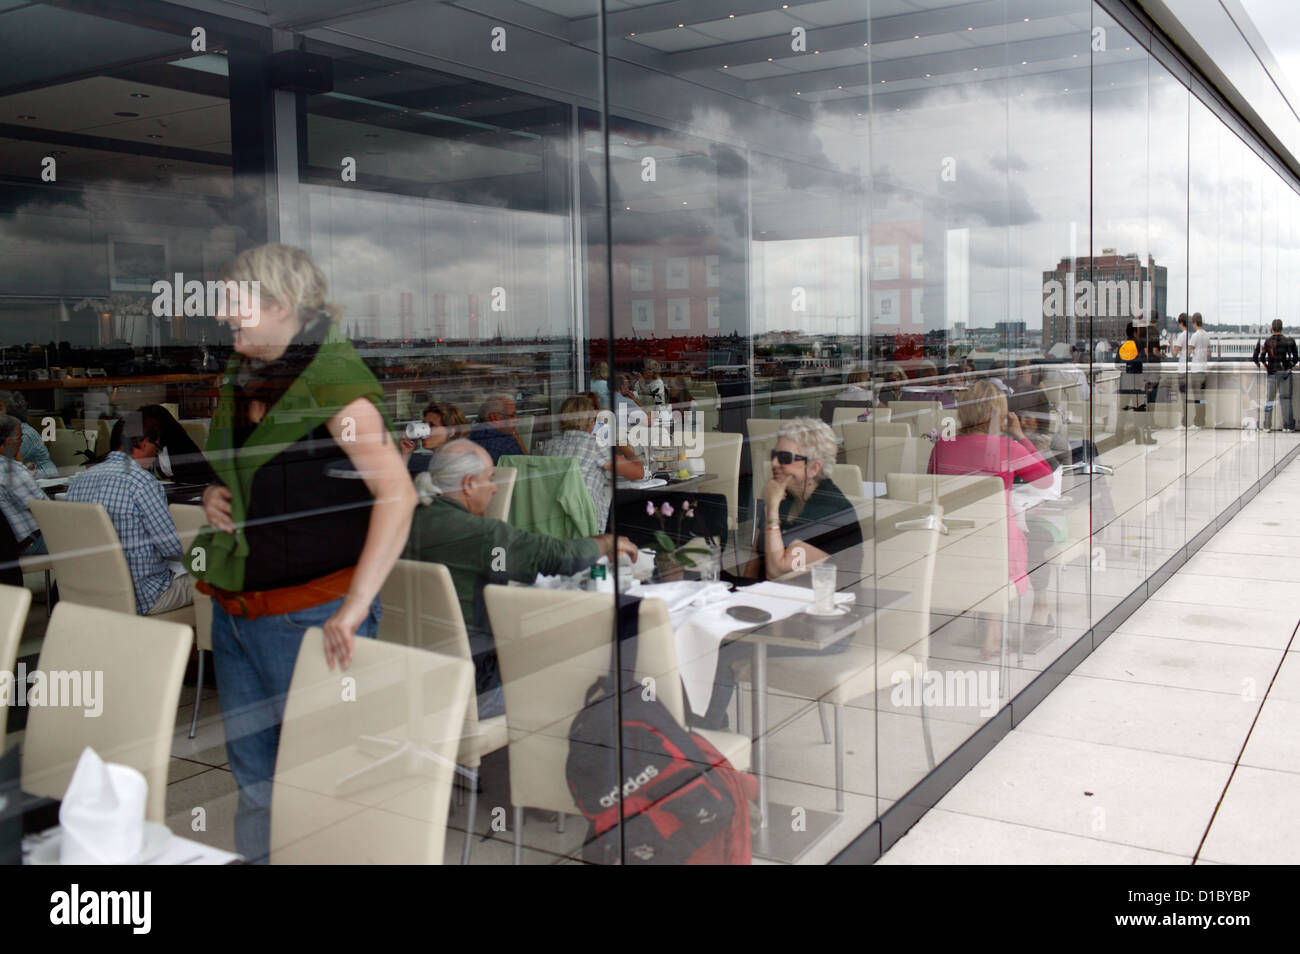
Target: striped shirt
{"type": "Point", "coordinates": [16, 488]}
{"type": "Point", "coordinates": [138, 508]}
{"type": "Point", "coordinates": [35, 452]}
{"type": "Point", "coordinates": [590, 453]}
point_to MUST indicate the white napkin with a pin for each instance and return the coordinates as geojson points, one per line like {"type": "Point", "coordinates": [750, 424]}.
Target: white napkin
{"type": "Point", "coordinates": [102, 815]}
{"type": "Point", "coordinates": [701, 624]}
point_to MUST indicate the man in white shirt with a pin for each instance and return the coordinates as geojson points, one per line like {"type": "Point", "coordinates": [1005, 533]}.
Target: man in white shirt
{"type": "Point", "coordinates": [1179, 350]}
{"type": "Point", "coordinates": [1198, 368]}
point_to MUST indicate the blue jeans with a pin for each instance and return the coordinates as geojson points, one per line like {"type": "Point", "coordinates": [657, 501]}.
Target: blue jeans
{"type": "Point", "coordinates": [254, 660]}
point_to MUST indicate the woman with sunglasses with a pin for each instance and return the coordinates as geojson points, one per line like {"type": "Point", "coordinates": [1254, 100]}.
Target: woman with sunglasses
{"type": "Point", "coordinates": [806, 517]}
{"type": "Point", "coordinates": [806, 520]}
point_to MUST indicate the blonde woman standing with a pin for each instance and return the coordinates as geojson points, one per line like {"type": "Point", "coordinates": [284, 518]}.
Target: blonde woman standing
{"type": "Point", "coordinates": [310, 510]}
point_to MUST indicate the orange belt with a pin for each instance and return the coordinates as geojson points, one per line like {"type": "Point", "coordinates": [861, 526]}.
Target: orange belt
{"type": "Point", "coordinates": [287, 599]}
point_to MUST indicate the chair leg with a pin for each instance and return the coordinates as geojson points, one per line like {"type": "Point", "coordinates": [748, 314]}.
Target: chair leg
{"type": "Point", "coordinates": [839, 759]}
{"type": "Point", "coordinates": [559, 822]}
{"type": "Point", "coordinates": [48, 607]}
{"type": "Point", "coordinates": [925, 731]}
{"type": "Point", "coordinates": [519, 834]}
{"type": "Point", "coordinates": [826, 722]}
{"type": "Point", "coordinates": [198, 696]}
{"type": "Point", "coordinates": [740, 709]}
{"type": "Point", "coordinates": [471, 817]}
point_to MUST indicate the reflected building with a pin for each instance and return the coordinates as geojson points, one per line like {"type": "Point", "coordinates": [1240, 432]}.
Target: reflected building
{"type": "Point", "coordinates": [1095, 297]}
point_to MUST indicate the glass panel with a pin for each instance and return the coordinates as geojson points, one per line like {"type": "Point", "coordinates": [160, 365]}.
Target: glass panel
{"type": "Point", "coordinates": [1131, 378]}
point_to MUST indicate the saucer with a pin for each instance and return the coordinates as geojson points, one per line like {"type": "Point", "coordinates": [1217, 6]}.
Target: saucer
{"type": "Point", "coordinates": [156, 839]}
{"type": "Point", "coordinates": [839, 610]}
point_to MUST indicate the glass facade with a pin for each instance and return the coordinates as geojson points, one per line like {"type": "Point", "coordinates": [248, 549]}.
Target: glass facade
{"type": "Point", "coordinates": [901, 278]}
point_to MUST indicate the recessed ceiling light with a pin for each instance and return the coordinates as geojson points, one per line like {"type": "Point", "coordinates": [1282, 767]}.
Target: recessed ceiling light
{"type": "Point", "coordinates": [58, 153]}
{"type": "Point", "coordinates": [975, 69]}
{"type": "Point", "coordinates": [724, 66]}
{"type": "Point", "coordinates": [1024, 62]}
{"type": "Point", "coordinates": [163, 166]}
{"type": "Point", "coordinates": [730, 16]}
{"type": "Point", "coordinates": [970, 28]}
{"type": "Point", "coordinates": [927, 75]}
{"type": "Point", "coordinates": [916, 36]}
{"type": "Point", "coordinates": [769, 59]}
{"type": "Point", "coordinates": [680, 25]}
{"type": "Point", "coordinates": [139, 95]}
{"type": "Point", "coordinates": [154, 136]}
{"type": "Point", "coordinates": [26, 116]}
{"type": "Point", "coordinates": [127, 115]}
{"type": "Point", "coordinates": [631, 34]}
{"type": "Point", "coordinates": [683, 202]}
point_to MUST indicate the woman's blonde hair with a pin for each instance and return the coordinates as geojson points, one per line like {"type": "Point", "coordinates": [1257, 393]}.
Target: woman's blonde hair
{"type": "Point", "coordinates": [577, 413]}
{"type": "Point", "coordinates": [287, 275]}
{"type": "Point", "coordinates": [981, 403]}
{"type": "Point", "coordinates": [815, 440]}
{"type": "Point", "coordinates": [600, 371]}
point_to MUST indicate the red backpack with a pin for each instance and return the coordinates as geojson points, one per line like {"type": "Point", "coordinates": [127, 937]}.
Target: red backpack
{"type": "Point", "coordinates": [679, 802]}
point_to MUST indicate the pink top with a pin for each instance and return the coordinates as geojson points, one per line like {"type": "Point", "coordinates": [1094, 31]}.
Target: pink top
{"type": "Point", "coordinates": [995, 456]}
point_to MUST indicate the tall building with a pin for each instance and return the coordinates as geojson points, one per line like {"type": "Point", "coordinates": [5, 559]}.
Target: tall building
{"type": "Point", "coordinates": [1095, 297]}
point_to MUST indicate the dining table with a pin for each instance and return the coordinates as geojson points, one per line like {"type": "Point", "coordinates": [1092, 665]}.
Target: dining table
{"type": "Point", "coordinates": [629, 490]}
{"type": "Point", "coordinates": [794, 630]}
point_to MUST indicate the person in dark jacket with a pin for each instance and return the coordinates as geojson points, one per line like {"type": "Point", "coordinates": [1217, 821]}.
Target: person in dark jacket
{"type": "Point", "coordinates": [180, 458]}
{"type": "Point", "coordinates": [1277, 355]}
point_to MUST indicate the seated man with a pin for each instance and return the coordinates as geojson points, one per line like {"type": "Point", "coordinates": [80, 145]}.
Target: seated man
{"type": "Point", "coordinates": [33, 450]}
{"type": "Point", "coordinates": [17, 487]}
{"type": "Point", "coordinates": [178, 458]}
{"type": "Point", "coordinates": [578, 439]}
{"type": "Point", "coordinates": [495, 431]}
{"type": "Point", "coordinates": [451, 528]}
{"type": "Point", "coordinates": [138, 508]}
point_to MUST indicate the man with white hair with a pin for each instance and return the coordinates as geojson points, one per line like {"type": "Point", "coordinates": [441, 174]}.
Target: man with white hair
{"type": "Point", "coordinates": [452, 528]}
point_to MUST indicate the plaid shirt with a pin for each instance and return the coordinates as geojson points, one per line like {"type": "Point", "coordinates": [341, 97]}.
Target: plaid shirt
{"type": "Point", "coordinates": [138, 508]}
{"type": "Point", "coordinates": [590, 453]}
{"type": "Point", "coordinates": [35, 452]}
{"type": "Point", "coordinates": [16, 488]}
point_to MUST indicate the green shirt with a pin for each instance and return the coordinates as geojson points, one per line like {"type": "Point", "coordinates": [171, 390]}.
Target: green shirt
{"type": "Point", "coordinates": [480, 550]}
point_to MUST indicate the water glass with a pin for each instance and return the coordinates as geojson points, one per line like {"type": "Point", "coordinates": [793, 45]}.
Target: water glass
{"type": "Point", "coordinates": [823, 584]}
{"type": "Point", "coordinates": [711, 564]}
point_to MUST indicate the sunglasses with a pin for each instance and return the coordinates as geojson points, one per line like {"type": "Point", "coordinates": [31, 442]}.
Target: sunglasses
{"type": "Point", "coordinates": [786, 458]}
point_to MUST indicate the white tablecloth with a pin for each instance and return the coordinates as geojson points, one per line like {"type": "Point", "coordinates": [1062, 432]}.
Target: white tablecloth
{"type": "Point", "coordinates": [179, 851]}
{"type": "Point", "coordinates": [700, 623]}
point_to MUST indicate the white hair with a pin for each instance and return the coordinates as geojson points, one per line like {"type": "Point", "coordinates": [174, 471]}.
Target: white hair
{"type": "Point", "coordinates": [815, 440]}
{"type": "Point", "coordinates": [450, 465]}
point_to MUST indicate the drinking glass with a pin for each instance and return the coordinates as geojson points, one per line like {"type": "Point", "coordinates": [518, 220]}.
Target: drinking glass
{"type": "Point", "coordinates": [823, 584]}
{"type": "Point", "coordinates": [711, 565]}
